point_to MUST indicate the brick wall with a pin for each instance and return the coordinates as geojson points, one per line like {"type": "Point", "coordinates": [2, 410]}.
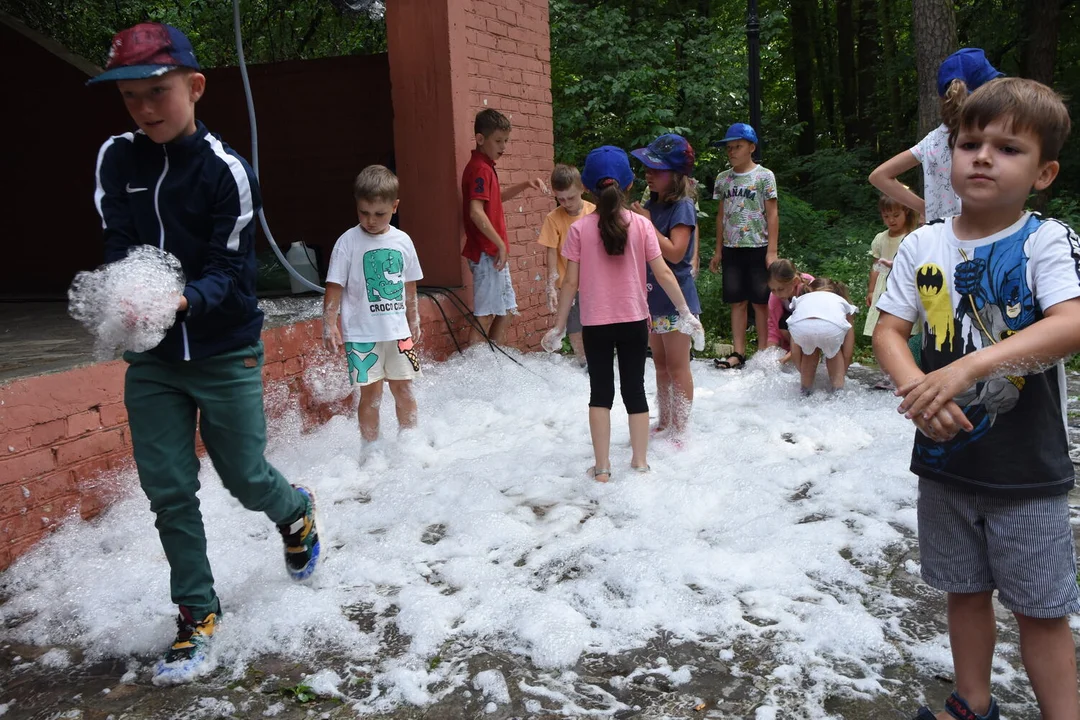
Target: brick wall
{"type": "Point", "coordinates": [509, 56]}
{"type": "Point", "coordinates": [64, 437]}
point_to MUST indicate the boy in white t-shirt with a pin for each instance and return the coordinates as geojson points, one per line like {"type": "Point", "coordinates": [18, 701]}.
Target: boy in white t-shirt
{"type": "Point", "coordinates": [371, 286]}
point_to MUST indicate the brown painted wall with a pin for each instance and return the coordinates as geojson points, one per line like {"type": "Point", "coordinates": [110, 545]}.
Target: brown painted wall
{"type": "Point", "coordinates": [53, 127]}
{"type": "Point", "coordinates": [320, 123]}
{"type": "Point", "coordinates": [428, 73]}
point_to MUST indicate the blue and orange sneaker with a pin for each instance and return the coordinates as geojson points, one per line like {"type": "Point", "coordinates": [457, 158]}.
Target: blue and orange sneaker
{"type": "Point", "coordinates": [301, 538]}
{"type": "Point", "coordinates": [189, 655]}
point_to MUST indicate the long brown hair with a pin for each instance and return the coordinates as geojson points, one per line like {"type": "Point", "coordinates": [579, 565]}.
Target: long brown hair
{"type": "Point", "coordinates": [613, 226]}
{"type": "Point", "coordinates": [783, 270]}
{"type": "Point", "coordinates": [682, 186]}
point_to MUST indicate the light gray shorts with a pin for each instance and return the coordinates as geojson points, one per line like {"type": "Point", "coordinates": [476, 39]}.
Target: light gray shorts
{"type": "Point", "coordinates": [493, 292]}
{"type": "Point", "coordinates": [973, 542]}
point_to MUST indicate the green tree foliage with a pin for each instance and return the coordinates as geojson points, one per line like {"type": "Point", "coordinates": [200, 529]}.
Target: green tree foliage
{"type": "Point", "coordinates": [273, 30]}
{"type": "Point", "coordinates": [624, 71]}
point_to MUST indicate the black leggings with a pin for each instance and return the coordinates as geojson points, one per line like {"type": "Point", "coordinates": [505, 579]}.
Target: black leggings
{"type": "Point", "coordinates": [630, 340]}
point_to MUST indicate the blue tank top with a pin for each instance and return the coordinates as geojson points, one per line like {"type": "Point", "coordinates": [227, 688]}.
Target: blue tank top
{"type": "Point", "coordinates": [666, 216]}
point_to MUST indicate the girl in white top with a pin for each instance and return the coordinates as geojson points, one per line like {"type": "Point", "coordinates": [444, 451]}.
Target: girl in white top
{"type": "Point", "coordinates": [959, 75]}
{"type": "Point", "coordinates": [820, 324]}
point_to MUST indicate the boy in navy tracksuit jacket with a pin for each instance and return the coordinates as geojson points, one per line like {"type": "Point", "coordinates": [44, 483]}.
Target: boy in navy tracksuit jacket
{"type": "Point", "coordinates": [174, 185]}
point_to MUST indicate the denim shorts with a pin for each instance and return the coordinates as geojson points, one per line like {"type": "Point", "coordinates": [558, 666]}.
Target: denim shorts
{"type": "Point", "coordinates": [493, 292]}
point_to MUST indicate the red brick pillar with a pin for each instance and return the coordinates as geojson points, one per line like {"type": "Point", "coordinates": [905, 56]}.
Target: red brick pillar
{"type": "Point", "coordinates": [449, 59]}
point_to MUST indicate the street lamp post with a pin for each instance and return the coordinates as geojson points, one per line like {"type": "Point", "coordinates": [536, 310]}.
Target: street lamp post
{"type": "Point", "coordinates": [753, 30]}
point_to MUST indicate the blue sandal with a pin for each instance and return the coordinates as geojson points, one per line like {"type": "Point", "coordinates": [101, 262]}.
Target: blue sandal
{"type": "Point", "coordinates": [958, 708]}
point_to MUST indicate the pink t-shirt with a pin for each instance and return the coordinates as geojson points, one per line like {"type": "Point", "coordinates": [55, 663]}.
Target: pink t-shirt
{"type": "Point", "coordinates": [777, 308]}
{"type": "Point", "coordinates": [612, 288]}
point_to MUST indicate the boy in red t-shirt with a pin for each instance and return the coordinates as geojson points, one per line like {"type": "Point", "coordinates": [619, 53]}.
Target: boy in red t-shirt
{"type": "Point", "coordinates": [486, 247]}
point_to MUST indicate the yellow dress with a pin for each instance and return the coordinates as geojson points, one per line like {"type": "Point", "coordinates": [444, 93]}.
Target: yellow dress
{"type": "Point", "coordinates": [883, 247]}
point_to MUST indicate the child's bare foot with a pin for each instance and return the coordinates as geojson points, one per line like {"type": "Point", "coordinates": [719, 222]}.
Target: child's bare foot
{"type": "Point", "coordinates": [657, 429]}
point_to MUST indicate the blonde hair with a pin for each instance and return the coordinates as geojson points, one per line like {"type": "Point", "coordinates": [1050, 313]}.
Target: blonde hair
{"type": "Point", "coordinates": [829, 285]}
{"type": "Point", "coordinates": [564, 177]}
{"type": "Point", "coordinates": [952, 103]}
{"type": "Point", "coordinates": [376, 182]}
{"type": "Point", "coordinates": [887, 204]}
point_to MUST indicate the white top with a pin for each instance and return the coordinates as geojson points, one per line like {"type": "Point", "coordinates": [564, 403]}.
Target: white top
{"type": "Point", "coordinates": [373, 269]}
{"type": "Point", "coordinates": [823, 305]}
{"type": "Point", "coordinates": [936, 157]}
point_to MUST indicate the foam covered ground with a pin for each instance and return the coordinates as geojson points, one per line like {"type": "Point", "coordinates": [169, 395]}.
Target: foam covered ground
{"type": "Point", "coordinates": [771, 534]}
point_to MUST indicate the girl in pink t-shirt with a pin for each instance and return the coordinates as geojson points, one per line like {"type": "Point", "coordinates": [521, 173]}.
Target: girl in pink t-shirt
{"type": "Point", "coordinates": [607, 252]}
{"type": "Point", "coordinates": [785, 283]}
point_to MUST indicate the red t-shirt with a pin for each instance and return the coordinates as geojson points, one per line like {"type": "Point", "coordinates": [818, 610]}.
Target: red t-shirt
{"type": "Point", "coordinates": [479, 182]}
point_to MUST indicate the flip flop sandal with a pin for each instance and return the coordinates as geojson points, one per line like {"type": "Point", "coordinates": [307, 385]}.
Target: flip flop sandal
{"type": "Point", "coordinates": [726, 363]}
{"type": "Point", "coordinates": [598, 473]}
{"type": "Point", "coordinates": [641, 468]}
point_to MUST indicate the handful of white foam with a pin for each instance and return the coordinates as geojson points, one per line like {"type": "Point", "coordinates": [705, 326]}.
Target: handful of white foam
{"type": "Point", "coordinates": [129, 304]}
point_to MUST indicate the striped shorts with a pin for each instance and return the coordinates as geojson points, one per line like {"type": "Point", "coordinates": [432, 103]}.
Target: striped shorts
{"type": "Point", "coordinates": [973, 542]}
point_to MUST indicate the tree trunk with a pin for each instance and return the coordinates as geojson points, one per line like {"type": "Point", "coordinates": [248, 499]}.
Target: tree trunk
{"type": "Point", "coordinates": [888, 34]}
{"type": "Point", "coordinates": [826, 64]}
{"type": "Point", "coordinates": [869, 56]}
{"type": "Point", "coordinates": [849, 90]}
{"type": "Point", "coordinates": [934, 24]}
{"type": "Point", "coordinates": [802, 12]}
{"type": "Point", "coordinates": [1040, 39]}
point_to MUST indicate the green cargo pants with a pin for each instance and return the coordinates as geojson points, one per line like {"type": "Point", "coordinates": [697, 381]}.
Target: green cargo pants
{"type": "Point", "coordinates": [162, 399]}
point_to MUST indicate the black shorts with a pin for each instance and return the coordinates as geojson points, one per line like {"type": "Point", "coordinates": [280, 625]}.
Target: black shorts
{"type": "Point", "coordinates": [745, 275]}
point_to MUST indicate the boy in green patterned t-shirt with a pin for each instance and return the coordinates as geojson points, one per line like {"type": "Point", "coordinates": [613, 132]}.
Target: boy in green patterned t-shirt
{"type": "Point", "coordinates": [747, 230]}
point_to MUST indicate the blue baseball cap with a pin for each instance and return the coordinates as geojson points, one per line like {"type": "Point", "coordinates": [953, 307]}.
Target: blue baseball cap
{"type": "Point", "coordinates": [738, 131]}
{"type": "Point", "coordinates": [668, 152]}
{"type": "Point", "coordinates": [969, 65]}
{"type": "Point", "coordinates": [604, 163]}
{"type": "Point", "coordinates": [147, 50]}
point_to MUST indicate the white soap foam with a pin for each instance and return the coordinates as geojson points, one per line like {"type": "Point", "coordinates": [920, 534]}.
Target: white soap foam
{"type": "Point", "coordinates": [769, 533]}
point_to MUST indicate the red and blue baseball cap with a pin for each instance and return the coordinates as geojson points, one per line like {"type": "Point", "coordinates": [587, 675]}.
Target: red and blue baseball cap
{"type": "Point", "coordinates": [667, 152]}
{"type": "Point", "coordinates": [969, 65]}
{"type": "Point", "coordinates": [606, 163]}
{"type": "Point", "coordinates": [147, 50]}
{"type": "Point", "coordinates": [738, 131]}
